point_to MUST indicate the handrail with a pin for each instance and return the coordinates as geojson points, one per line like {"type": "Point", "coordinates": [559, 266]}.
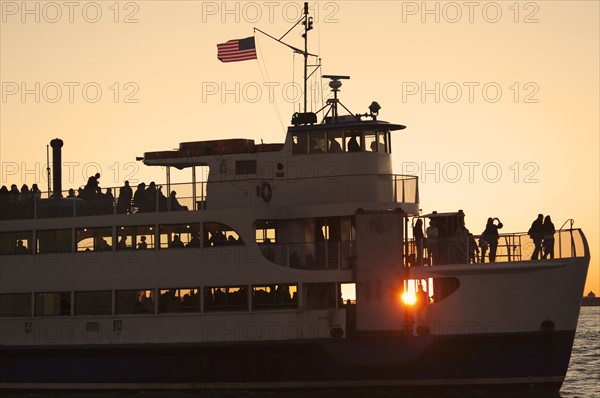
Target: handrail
{"type": "Point", "coordinates": [403, 189]}
{"type": "Point", "coordinates": [512, 247]}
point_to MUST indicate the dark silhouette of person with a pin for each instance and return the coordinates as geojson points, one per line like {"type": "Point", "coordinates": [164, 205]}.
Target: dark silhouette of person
{"type": "Point", "coordinates": [422, 296]}
{"type": "Point", "coordinates": [461, 242]}
{"type": "Point", "coordinates": [353, 145]}
{"type": "Point", "coordinates": [71, 194]}
{"type": "Point", "coordinates": [122, 244]}
{"type": "Point", "coordinates": [491, 236]}
{"type": "Point", "coordinates": [176, 243]}
{"type": "Point", "coordinates": [150, 197]}
{"type": "Point", "coordinates": [124, 200]}
{"type": "Point", "coordinates": [142, 245]}
{"type": "Point", "coordinates": [432, 241]}
{"type": "Point", "coordinates": [549, 231]}
{"type": "Point", "coordinates": [536, 232]}
{"type": "Point", "coordinates": [21, 248]}
{"type": "Point", "coordinates": [175, 205]}
{"type": "Point", "coordinates": [334, 146]}
{"type": "Point", "coordinates": [35, 190]}
{"type": "Point", "coordinates": [419, 238]}
{"type": "Point", "coordinates": [92, 186]}
{"type": "Point", "coordinates": [195, 241]}
{"type": "Point", "coordinates": [473, 249]}
{"type": "Point", "coordinates": [139, 197]}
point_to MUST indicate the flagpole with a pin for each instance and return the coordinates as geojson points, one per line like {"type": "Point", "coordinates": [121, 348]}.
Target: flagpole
{"type": "Point", "coordinates": [306, 29]}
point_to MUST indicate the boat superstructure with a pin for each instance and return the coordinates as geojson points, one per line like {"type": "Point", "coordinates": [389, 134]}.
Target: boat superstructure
{"type": "Point", "coordinates": [236, 281]}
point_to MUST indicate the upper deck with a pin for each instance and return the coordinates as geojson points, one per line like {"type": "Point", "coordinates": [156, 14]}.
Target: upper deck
{"type": "Point", "coordinates": [343, 165]}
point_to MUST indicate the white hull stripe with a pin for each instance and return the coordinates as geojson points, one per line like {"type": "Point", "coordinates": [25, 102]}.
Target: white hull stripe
{"type": "Point", "coordinates": [272, 385]}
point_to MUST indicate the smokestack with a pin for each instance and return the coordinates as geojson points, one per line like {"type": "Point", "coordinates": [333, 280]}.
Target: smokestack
{"type": "Point", "coordinates": [56, 145]}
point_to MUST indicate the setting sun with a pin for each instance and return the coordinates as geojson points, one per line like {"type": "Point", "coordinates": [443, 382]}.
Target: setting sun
{"type": "Point", "coordinates": [409, 298]}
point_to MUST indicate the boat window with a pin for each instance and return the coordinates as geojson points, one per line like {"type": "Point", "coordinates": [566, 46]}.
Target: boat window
{"type": "Point", "coordinates": [15, 305]}
{"type": "Point", "coordinates": [319, 295]}
{"type": "Point", "coordinates": [317, 142]}
{"type": "Point", "coordinates": [179, 300]}
{"type": "Point", "coordinates": [54, 241]}
{"type": "Point", "coordinates": [300, 144]}
{"type": "Point", "coordinates": [178, 236]}
{"type": "Point", "coordinates": [16, 242]}
{"type": "Point", "coordinates": [53, 304]}
{"type": "Point", "coordinates": [139, 237]}
{"type": "Point", "coordinates": [382, 146]}
{"type": "Point", "coordinates": [335, 142]}
{"type": "Point", "coordinates": [266, 231]}
{"type": "Point", "coordinates": [93, 303]}
{"type": "Point", "coordinates": [245, 167]}
{"type": "Point", "coordinates": [134, 302]}
{"type": "Point", "coordinates": [94, 239]}
{"type": "Point", "coordinates": [348, 293]}
{"type": "Point", "coordinates": [217, 234]}
{"type": "Point", "coordinates": [370, 141]}
{"type": "Point", "coordinates": [226, 299]}
{"type": "Point", "coordinates": [274, 297]}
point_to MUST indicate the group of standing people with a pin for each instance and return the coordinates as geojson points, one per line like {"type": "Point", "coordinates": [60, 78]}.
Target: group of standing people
{"type": "Point", "coordinates": [542, 233]}
{"type": "Point", "coordinates": [436, 238]}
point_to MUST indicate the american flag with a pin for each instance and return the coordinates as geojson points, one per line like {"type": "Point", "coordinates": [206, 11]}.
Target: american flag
{"type": "Point", "coordinates": [237, 50]}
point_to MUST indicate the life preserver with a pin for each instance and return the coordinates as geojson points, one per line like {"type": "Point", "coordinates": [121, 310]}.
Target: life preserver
{"type": "Point", "coordinates": [265, 190]}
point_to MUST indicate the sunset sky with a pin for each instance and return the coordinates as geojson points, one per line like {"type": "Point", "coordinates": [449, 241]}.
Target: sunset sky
{"type": "Point", "coordinates": [500, 99]}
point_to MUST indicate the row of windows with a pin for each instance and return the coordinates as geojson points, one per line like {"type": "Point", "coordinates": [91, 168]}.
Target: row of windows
{"type": "Point", "coordinates": [127, 238]}
{"type": "Point", "coordinates": [340, 141]}
{"type": "Point", "coordinates": [150, 301]}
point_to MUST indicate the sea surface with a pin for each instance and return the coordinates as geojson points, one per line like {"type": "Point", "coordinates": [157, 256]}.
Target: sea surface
{"type": "Point", "coordinates": [582, 381]}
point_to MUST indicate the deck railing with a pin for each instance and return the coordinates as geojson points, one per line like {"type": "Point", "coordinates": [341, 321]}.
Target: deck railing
{"type": "Point", "coordinates": [567, 243]}
{"type": "Point", "coordinates": [189, 197]}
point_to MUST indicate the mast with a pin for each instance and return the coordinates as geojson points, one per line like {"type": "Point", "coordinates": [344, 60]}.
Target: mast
{"type": "Point", "coordinates": [308, 25]}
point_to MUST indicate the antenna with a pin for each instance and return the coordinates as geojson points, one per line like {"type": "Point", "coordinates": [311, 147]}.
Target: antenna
{"type": "Point", "coordinates": [308, 25]}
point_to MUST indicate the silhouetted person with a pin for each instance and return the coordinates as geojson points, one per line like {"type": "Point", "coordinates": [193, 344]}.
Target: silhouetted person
{"type": "Point", "coordinates": [353, 145]}
{"type": "Point", "coordinates": [491, 236]}
{"type": "Point", "coordinates": [473, 249]}
{"type": "Point", "coordinates": [21, 248]}
{"type": "Point", "coordinates": [150, 197]}
{"type": "Point", "coordinates": [461, 240]}
{"type": "Point", "coordinates": [138, 197]}
{"type": "Point", "coordinates": [549, 231]}
{"type": "Point", "coordinates": [334, 146]}
{"type": "Point", "coordinates": [422, 296]}
{"type": "Point", "coordinates": [175, 205]}
{"type": "Point", "coordinates": [536, 232]}
{"type": "Point", "coordinates": [419, 238]}
{"type": "Point", "coordinates": [35, 190]}
{"type": "Point", "coordinates": [176, 243]}
{"type": "Point", "coordinates": [122, 244]}
{"type": "Point", "coordinates": [109, 195]}
{"type": "Point", "coordinates": [194, 242]}
{"type": "Point", "coordinates": [142, 245]}
{"type": "Point", "coordinates": [432, 236]}
{"type": "Point", "coordinates": [124, 200]}
{"type": "Point", "coordinates": [71, 194]}
{"type": "Point", "coordinates": [91, 188]}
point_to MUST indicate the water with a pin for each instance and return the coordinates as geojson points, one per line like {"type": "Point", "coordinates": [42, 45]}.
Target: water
{"type": "Point", "coordinates": [583, 376]}
{"type": "Point", "coordinates": [582, 381]}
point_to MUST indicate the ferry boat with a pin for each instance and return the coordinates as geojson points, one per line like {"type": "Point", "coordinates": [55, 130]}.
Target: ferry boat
{"type": "Point", "coordinates": [239, 285]}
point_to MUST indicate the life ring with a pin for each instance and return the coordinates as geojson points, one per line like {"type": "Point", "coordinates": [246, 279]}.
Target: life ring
{"type": "Point", "coordinates": [266, 192]}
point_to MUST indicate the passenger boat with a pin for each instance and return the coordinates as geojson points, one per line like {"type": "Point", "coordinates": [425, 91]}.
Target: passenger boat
{"type": "Point", "coordinates": [242, 287]}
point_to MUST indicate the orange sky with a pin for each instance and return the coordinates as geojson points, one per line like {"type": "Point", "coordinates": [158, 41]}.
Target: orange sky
{"type": "Point", "coordinates": [484, 88]}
